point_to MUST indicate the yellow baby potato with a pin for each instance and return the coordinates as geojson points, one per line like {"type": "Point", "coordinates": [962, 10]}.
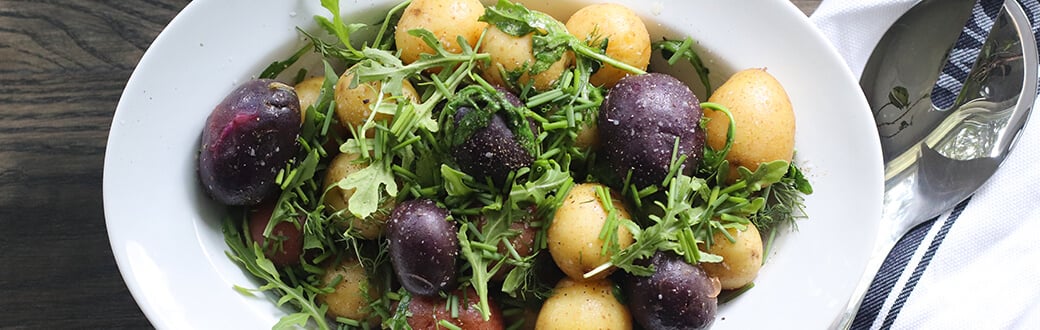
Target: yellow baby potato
{"type": "Point", "coordinates": [308, 91]}
{"type": "Point", "coordinates": [352, 294]}
{"type": "Point", "coordinates": [578, 305]}
{"type": "Point", "coordinates": [764, 120]}
{"type": "Point", "coordinates": [446, 19]}
{"type": "Point", "coordinates": [510, 53]}
{"type": "Point", "coordinates": [629, 41]}
{"type": "Point", "coordinates": [741, 259]}
{"type": "Point", "coordinates": [573, 236]}
{"type": "Point", "coordinates": [354, 105]}
{"type": "Point", "coordinates": [337, 199]}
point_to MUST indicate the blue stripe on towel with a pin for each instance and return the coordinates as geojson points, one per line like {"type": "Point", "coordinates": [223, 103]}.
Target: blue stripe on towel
{"type": "Point", "coordinates": [926, 259]}
{"type": "Point", "coordinates": [894, 265]}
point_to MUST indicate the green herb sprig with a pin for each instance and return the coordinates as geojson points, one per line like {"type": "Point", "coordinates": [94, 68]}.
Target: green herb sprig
{"type": "Point", "coordinates": [250, 255]}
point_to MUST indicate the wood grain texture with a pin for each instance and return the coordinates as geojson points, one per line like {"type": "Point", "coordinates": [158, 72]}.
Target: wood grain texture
{"type": "Point", "coordinates": [63, 66]}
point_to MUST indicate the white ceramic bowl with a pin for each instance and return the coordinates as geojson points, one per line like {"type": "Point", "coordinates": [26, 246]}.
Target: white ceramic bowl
{"type": "Point", "coordinates": [166, 236]}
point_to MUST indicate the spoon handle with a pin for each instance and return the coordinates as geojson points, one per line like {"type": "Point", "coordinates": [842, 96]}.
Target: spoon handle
{"type": "Point", "coordinates": [877, 259]}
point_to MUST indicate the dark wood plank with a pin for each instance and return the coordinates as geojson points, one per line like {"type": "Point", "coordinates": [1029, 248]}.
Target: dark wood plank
{"type": "Point", "coordinates": [63, 66]}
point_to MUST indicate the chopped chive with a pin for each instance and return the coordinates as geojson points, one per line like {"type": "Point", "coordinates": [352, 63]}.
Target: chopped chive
{"type": "Point", "coordinates": [448, 325]}
{"type": "Point", "coordinates": [555, 125]}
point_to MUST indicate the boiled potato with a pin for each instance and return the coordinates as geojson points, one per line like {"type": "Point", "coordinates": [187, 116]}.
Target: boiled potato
{"type": "Point", "coordinates": [588, 137]}
{"type": "Point", "coordinates": [354, 105]}
{"type": "Point", "coordinates": [426, 313]}
{"type": "Point", "coordinates": [764, 120]}
{"type": "Point", "coordinates": [239, 159]}
{"type": "Point", "coordinates": [446, 19]}
{"type": "Point", "coordinates": [741, 259]}
{"type": "Point", "coordinates": [573, 236]}
{"type": "Point", "coordinates": [510, 53]}
{"type": "Point", "coordinates": [643, 120]}
{"type": "Point", "coordinates": [352, 294]}
{"type": "Point", "coordinates": [578, 305]}
{"type": "Point", "coordinates": [308, 91]}
{"type": "Point", "coordinates": [337, 200]}
{"type": "Point", "coordinates": [628, 40]}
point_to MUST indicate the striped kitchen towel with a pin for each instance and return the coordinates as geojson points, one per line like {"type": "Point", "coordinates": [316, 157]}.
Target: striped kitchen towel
{"type": "Point", "coordinates": [978, 265]}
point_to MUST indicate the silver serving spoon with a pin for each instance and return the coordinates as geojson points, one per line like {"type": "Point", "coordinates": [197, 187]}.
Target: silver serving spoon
{"type": "Point", "coordinates": [935, 158]}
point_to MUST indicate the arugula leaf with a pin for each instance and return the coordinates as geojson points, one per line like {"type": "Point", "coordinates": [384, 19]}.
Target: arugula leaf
{"type": "Point", "coordinates": [545, 190]}
{"type": "Point", "coordinates": [674, 50]}
{"type": "Point", "coordinates": [292, 321]}
{"type": "Point", "coordinates": [253, 260]}
{"type": "Point", "coordinates": [478, 265]}
{"type": "Point", "coordinates": [272, 71]}
{"type": "Point", "coordinates": [551, 38]}
{"type": "Point", "coordinates": [713, 158]}
{"type": "Point", "coordinates": [368, 184]}
{"type": "Point", "coordinates": [336, 27]}
{"type": "Point", "coordinates": [766, 174]}
{"type": "Point", "coordinates": [455, 182]}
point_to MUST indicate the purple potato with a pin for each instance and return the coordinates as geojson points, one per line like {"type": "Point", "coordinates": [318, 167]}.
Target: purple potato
{"type": "Point", "coordinates": [639, 122]}
{"type": "Point", "coordinates": [493, 150]}
{"type": "Point", "coordinates": [423, 246]}
{"type": "Point", "coordinates": [677, 296]}
{"type": "Point", "coordinates": [247, 139]}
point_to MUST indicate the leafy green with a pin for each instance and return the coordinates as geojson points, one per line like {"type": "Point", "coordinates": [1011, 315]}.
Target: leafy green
{"type": "Point", "coordinates": [253, 260]}
{"type": "Point", "coordinates": [551, 38]}
{"type": "Point", "coordinates": [272, 71]}
{"type": "Point", "coordinates": [336, 26]}
{"type": "Point", "coordinates": [674, 50]}
{"type": "Point", "coordinates": [786, 201]}
{"type": "Point", "coordinates": [368, 184]}
{"type": "Point", "coordinates": [714, 158]}
{"type": "Point", "coordinates": [485, 102]}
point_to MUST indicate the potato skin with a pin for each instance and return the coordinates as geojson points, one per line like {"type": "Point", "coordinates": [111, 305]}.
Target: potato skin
{"type": "Point", "coordinates": [247, 138]}
{"type": "Point", "coordinates": [354, 105]}
{"type": "Point", "coordinates": [337, 199]}
{"type": "Point", "coordinates": [676, 296]}
{"type": "Point", "coordinates": [492, 151]}
{"type": "Point", "coordinates": [741, 260]}
{"type": "Point", "coordinates": [286, 245]}
{"type": "Point", "coordinates": [629, 41]}
{"type": "Point", "coordinates": [639, 121]}
{"type": "Point", "coordinates": [583, 305]}
{"type": "Point", "coordinates": [352, 294]}
{"type": "Point", "coordinates": [446, 19]}
{"type": "Point", "coordinates": [510, 53]}
{"type": "Point", "coordinates": [308, 92]}
{"type": "Point", "coordinates": [426, 312]}
{"type": "Point", "coordinates": [423, 246]}
{"type": "Point", "coordinates": [573, 236]}
{"type": "Point", "coordinates": [764, 119]}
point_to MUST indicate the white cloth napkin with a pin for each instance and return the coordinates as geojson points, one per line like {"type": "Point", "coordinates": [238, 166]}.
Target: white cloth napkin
{"type": "Point", "coordinates": [983, 270]}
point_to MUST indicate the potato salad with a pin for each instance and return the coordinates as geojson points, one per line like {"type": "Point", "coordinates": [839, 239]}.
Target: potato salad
{"type": "Point", "coordinates": [464, 166]}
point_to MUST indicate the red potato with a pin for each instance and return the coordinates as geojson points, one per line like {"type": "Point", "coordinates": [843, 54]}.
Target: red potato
{"type": "Point", "coordinates": [427, 312]}
{"type": "Point", "coordinates": [285, 244]}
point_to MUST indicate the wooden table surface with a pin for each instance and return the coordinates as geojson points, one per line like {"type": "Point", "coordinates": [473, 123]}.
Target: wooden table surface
{"type": "Point", "coordinates": [63, 66]}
